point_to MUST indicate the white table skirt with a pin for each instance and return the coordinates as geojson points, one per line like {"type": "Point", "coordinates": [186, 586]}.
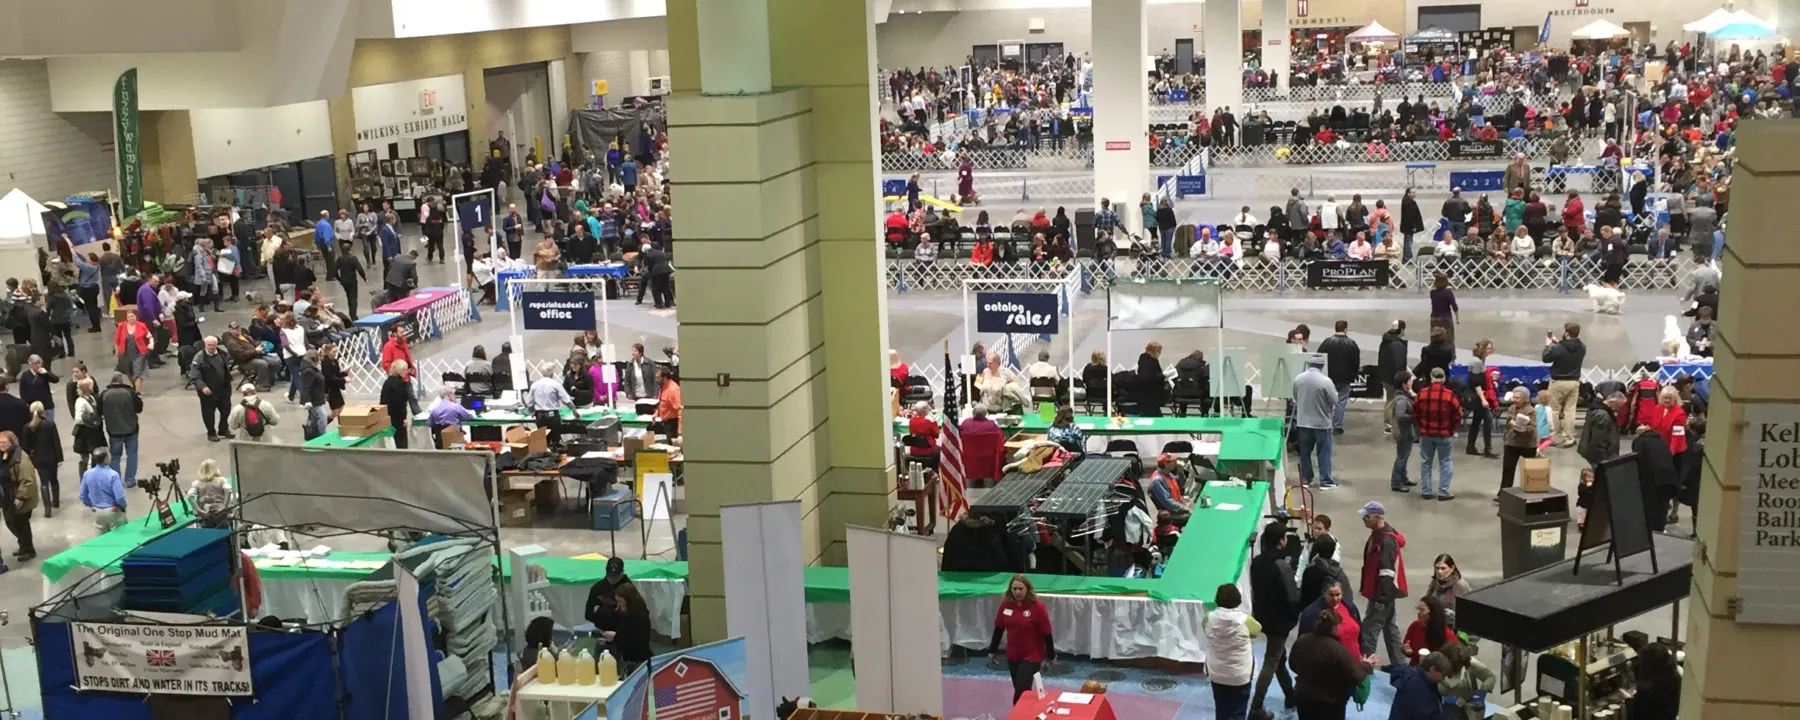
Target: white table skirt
{"type": "Point", "coordinates": [1097, 626]}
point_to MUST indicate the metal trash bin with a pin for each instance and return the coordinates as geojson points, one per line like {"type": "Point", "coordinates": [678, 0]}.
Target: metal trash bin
{"type": "Point", "coordinates": [1534, 529]}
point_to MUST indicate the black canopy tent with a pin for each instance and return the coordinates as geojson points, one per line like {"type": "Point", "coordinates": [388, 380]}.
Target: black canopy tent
{"type": "Point", "coordinates": [592, 131]}
{"type": "Point", "coordinates": [1432, 36]}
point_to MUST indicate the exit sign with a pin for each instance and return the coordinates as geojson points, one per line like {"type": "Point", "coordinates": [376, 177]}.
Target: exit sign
{"type": "Point", "coordinates": [1118, 144]}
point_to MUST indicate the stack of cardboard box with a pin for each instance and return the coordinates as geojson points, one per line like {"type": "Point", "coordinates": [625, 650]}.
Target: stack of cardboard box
{"type": "Point", "coordinates": [362, 420]}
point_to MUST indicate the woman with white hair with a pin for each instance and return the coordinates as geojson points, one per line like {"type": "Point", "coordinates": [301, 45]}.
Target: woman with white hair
{"type": "Point", "coordinates": [395, 391]}
{"type": "Point", "coordinates": [1519, 436]}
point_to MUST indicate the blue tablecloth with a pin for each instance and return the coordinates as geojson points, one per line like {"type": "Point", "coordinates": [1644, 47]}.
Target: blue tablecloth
{"type": "Point", "coordinates": [611, 269]}
{"type": "Point", "coordinates": [377, 320]}
{"type": "Point", "coordinates": [1700, 371]}
{"type": "Point", "coordinates": [503, 298]}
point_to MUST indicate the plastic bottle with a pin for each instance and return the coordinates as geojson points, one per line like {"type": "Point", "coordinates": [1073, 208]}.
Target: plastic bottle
{"type": "Point", "coordinates": [608, 669]}
{"type": "Point", "coordinates": [565, 668]}
{"type": "Point", "coordinates": [584, 669]}
{"type": "Point", "coordinates": [546, 666]}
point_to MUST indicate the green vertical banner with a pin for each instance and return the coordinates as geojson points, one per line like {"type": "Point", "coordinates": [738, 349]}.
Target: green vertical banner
{"type": "Point", "coordinates": [126, 141]}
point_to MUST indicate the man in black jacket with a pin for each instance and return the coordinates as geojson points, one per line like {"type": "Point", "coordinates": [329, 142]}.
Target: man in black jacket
{"type": "Point", "coordinates": [1456, 213]}
{"type": "Point", "coordinates": [120, 406]}
{"type": "Point", "coordinates": [1411, 222]}
{"type": "Point", "coordinates": [661, 274]}
{"type": "Point", "coordinates": [35, 381]}
{"type": "Point", "coordinates": [601, 610]}
{"type": "Point", "coordinates": [1390, 360]}
{"type": "Point", "coordinates": [1565, 357]}
{"type": "Point", "coordinates": [15, 413]}
{"type": "Point", "coordinates": [1343, 360]}
{"type": "Point", "coordinates": [1275, 603]}
{"type": "Point", "coordinates": [210, 374]}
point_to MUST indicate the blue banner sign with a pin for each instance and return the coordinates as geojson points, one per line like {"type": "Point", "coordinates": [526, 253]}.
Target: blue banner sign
{"type": "Point", "coordinates": [558, 310]}
{"type": "Point", "coordinates": [1009, 312]}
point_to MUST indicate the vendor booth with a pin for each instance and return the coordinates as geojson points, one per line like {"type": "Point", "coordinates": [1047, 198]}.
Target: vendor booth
{"type": "Point", "coordinates": [159, 620]}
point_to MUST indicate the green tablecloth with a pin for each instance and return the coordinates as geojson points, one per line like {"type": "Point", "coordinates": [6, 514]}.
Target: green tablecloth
{"type": "Point", "coordinates": [493, 418]}
{"type": "Point", "coordinates": [1215, 546]}
{"type": "Point", "coordinates": [331, 439]}
{"type": "Point", "coordinates": [1241, 439]}
{"type": "Point", "coordinates": [108, 550]}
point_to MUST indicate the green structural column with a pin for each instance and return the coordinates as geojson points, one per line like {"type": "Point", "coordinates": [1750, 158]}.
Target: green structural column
{"type": "Point", "coordinates": [781, 296]}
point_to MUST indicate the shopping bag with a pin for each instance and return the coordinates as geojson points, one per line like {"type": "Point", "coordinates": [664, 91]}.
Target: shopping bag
{"type": "Point", "coordinates": [1361, 695]}
{"type": "Point", "coordinates": [1037, 684]}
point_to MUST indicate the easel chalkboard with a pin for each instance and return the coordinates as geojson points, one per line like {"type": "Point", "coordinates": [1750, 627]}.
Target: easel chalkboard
{"type": "Point", "coordinates": [1616, 519]}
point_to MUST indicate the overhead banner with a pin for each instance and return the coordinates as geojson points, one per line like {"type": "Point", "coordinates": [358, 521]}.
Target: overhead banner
{"type": "Point", "coordinates": [1013, 312]}
{"type": "Point", "coordinates": [1349, 274]}
{"type": "Point", "coordinates": [558, 310]}
{"type": "Point", "coordinates": [126, 143]}
{"type": "Point", "coordinates": [1476, 149]}
{"type": "Point", "coordinates": [162, 659]}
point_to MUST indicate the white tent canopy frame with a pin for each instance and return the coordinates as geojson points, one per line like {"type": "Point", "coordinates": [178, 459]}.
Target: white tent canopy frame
{"type": "Point", "coordinates": [1062, 287]}
{"type": "Point", "coordinates": [1373, 32]}
{"type": "Point", "coordinates": [1125, 289]}
{"type": "Point", "coordinates": [21, 218]}
{"type": "Point", "coordinates": [1599, 30]}
{"type": "Point", "coordinates": [523, 285]}
{"type": "Point", "coordinates": [1722, 17]}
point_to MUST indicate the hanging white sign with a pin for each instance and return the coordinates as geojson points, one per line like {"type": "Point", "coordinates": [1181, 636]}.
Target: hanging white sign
{"type": "Point", "coordinates": [162, 659]}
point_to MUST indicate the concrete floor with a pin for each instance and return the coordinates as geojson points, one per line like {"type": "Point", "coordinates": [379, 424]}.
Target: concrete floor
{"type": "Point", "coordinates": [919, 325]}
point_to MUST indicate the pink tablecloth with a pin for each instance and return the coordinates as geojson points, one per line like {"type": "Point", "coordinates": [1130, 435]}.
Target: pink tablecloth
{"type": "Point", "coordinates": [414, 302]}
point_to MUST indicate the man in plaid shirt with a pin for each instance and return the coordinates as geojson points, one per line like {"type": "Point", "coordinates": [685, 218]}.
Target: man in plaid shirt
{"type": "Point", "coordinates": [1436, 413]}
{"type": "Point", "coordinates": [1106, 220]}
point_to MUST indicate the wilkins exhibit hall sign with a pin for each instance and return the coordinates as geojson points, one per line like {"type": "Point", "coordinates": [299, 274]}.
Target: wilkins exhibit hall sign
{"type": "Point", "coordinates": [408, 110]}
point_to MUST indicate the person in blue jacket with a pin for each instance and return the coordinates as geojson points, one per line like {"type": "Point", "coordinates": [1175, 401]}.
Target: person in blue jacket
{"type": "Point", "coordinates": [390, 245]}
{"type": "Point", "coordinates": [1416, 694]}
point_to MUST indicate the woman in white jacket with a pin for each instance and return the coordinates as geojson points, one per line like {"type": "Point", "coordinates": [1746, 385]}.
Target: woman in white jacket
{"type": "Point", "coordinates": [1230, 662]}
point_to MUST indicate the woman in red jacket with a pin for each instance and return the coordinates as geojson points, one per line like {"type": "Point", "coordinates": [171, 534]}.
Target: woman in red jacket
{"type": "Point", "coordinates": [1574, 214]}
{"type": "Point", "coordinates": [131, 342]}
{"type": "Point", "coordinates": [1669, 420]}
{"type": "Point", "coordinates": [1025, 623]}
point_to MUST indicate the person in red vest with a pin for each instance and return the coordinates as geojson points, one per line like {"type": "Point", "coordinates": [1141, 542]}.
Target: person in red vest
{"type": "Point", "coordinates": [1383, 582]}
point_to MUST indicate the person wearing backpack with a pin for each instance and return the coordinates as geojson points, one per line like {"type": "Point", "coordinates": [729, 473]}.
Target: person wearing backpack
{"type": "Point", "coordinates": [253, 416]}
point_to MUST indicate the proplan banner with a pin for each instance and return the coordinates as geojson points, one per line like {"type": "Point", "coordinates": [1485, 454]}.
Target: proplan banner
{"type": "Point", "coordinates": [162, 659]}
{"type": "Point", "coordinates": [125, 144]}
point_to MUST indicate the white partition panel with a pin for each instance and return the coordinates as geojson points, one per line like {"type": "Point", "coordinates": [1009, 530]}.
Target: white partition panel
{"type": "Point", "coordinates": [894, 622]}
{"type": "Point", "coordinates": [765, 596]}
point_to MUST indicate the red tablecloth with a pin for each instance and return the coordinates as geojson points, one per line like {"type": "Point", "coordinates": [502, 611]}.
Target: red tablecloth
{"type": "Point", "coordinates": [1030, 707]}
{"type": "Point", "coordinates": [414, 302]}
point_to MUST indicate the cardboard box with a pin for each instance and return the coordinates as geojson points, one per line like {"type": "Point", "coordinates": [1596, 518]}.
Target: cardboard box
{"type": "Point", "coordinates": [516, 509]}
{"type": "Point", "coordinates": [525, 442]}
{"type": "Point", "coordinates": [365, 430]}
{"type": "Point", "coordinates": [636, 439]}
{"type": "Point", "coordinates": [119, 312]}
{"type": "Point", "coordinates": [1534, 474]}
{"type": "Point", "coordinates": [362, 414]}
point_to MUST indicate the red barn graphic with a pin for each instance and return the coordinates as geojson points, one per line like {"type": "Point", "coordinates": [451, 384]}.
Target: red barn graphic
{"type": "Point", "coordinates": [691, 688]}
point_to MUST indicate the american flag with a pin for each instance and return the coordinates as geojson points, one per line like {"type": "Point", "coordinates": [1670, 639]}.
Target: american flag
{"type": "Point", "coordinates": [162, 658]}
{"type": "Point", "coordinates": [952, 487]}
{"type": "Point", "coordinates": [689, 699]}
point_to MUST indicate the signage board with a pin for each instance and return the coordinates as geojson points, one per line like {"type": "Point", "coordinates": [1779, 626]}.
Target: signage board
{"type": "Point", "coordinates": [406, 110]}
{"type": "Point", "coordinates": [1186, 185]}
{"type": "Point", "coordinates": [1014, 312]}
{"type": "Point", "coordinates": [557, 310]}
{"type": "Point", "coordinates": [161, 659]}
{"type": "Point", "coordinates": [1769, 515]}
{"type": "Point", "coordinates": [1118, 144]}
{"type": "Point", "coordinates": [1477, 149]}
{"type": "Point", "coordinates": [1349, 274]}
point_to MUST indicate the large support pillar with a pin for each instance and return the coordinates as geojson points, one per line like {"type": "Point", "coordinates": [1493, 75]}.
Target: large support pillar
{"type": "Point", "coordinates": [1121, 102]}
{"type": "Point", "coordinates": [781, 286]}
{"type": "Point", "coordinates": [1222, 24]}
{"type": "Point", "coordinates": [1276, 50]}
{"type": "Point", "coordinates": [1730, 675]}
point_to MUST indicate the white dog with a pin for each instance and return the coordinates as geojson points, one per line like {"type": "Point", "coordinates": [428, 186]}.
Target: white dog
{"type": "Point", "coordinates": [1674, 342]}
{"type": "Point", "coordinates": [1607, 300]}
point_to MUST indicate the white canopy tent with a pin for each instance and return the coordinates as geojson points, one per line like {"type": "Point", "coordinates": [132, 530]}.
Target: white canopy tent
{"type": "Point", "coordinates": [1738, 31]}
{"type": "Point", "coordinates": [21, 233]}
{"type": "Point", "coordinates": [21, 218]}
{"type": "Point", "coordinates": [1600, 30]}
{"type": "Point", "coordinates": [1721, 17]}
{"type": "Point", "coordinates": [1373, 32]}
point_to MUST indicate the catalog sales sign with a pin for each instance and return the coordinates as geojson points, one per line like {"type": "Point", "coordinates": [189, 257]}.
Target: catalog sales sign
{"type": "Point", "coordinates": [1012, 312]}
{"type": "Point", "coordinates": [162, 659]}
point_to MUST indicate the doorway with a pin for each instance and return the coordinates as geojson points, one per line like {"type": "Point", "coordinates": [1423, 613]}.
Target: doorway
{"type": "Point", "coordinates": [1184, 56]}
{"type": "Point", "coordinates": [518, 107]}
{"type": "Point", "coordinates": [985, 55]}
{"type": "Point", "coordinates": [1036, 53]}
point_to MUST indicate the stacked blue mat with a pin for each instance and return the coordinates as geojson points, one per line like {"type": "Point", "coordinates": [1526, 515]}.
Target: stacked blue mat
{"type": "Point", "coordinates": [185, 571]}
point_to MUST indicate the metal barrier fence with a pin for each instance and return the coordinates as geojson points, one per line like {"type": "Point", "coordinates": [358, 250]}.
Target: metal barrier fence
{"type": "Point", "coordinates": [1255, 274]}
{"type": "Point", "coordinates": [1070, 155]}
{"type": "Point", "coordinates": [360, 354]}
